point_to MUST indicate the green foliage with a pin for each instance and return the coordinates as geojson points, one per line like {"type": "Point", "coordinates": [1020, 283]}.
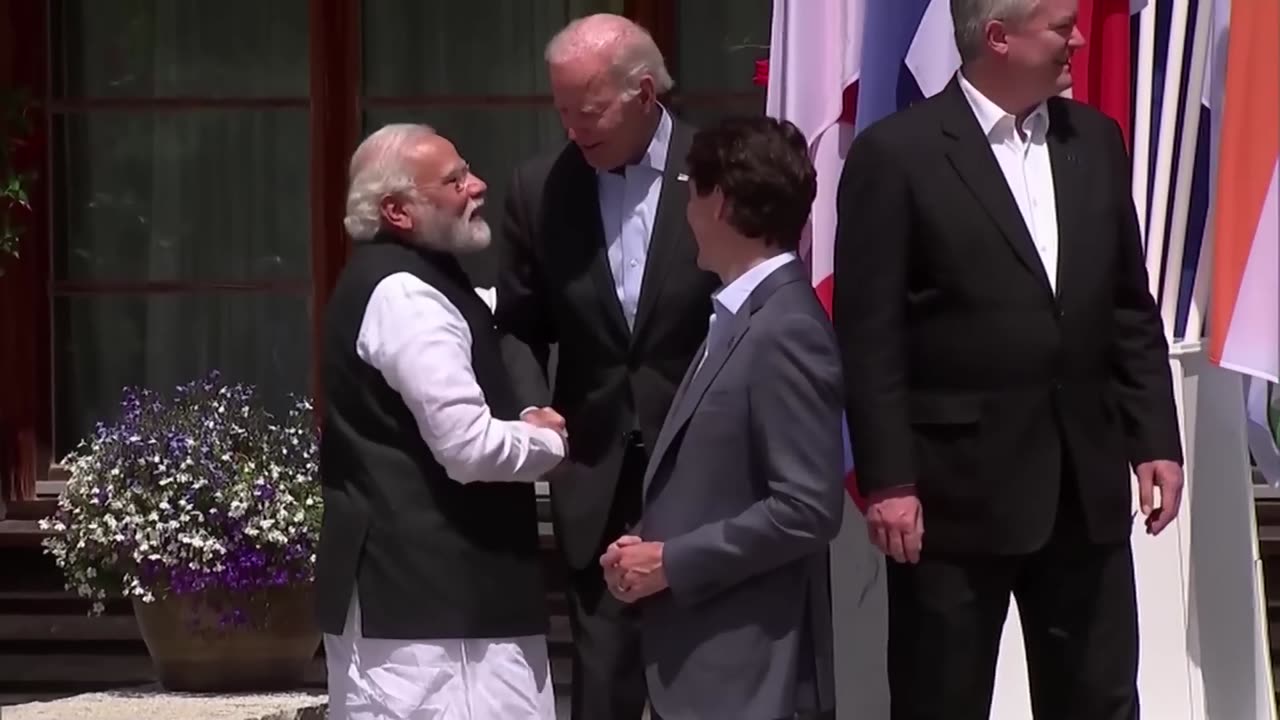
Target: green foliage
{"type": "Point", "coordinates": [15, 127]}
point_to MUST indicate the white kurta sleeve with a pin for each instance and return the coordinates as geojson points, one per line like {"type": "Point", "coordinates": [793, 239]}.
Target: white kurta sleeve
{"type": "Point", "coordinates": [421, 344]}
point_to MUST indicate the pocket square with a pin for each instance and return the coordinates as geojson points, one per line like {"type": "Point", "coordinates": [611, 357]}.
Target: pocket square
{"type": "Point", "coordinates": [681, 177]}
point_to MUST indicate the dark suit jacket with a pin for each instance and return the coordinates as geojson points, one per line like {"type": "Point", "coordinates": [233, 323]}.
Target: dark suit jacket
{"type": "Point", "coordinates": [745, 488]}
{"type": "Point", "coordinates": [555, 287]}
{"type": "Point", "coordinates": [966, 375]}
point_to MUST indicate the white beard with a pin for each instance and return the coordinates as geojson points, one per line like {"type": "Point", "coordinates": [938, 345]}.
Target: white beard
{"type": "Point", "coordinates": [461, 235]}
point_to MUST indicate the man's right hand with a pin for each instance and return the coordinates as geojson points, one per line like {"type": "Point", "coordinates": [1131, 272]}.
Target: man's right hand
{"type": "Point", "coordinates": [545, 417]}
{"type": "Point", "coordinates": [895, 523]}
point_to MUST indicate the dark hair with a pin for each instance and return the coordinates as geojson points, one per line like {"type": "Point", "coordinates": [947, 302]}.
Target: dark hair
{"type": "Point", "coordinates": [763, 168]}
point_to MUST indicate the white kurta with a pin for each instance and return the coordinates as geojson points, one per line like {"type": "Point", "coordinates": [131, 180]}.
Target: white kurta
{"type": "Point", "coordinates": [374, 679]}
{"type": "Point", "coordinates": [421, 344]}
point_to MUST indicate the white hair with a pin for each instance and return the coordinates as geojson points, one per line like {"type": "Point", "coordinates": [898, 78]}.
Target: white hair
{"type": "Point", "coordinates": [380, 167]}
{"type": "Point", "coordinates": [629, 48]}
{"type": "Point", "coordinates": [970, 18]}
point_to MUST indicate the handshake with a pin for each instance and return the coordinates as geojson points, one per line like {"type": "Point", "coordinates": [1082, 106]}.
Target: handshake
{"type": "Point", "coordinates": [546, 417]}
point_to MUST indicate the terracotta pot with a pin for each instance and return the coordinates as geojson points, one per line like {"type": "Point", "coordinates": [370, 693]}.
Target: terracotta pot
{"type": "Point", "coordinates": [193, 648]}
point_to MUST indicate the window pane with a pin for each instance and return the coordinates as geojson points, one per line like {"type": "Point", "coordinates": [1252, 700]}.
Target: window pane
{"type": "Point", "coordinates": [181, 48]}
{"type": "Point", "coordinates": [703, 114]}
{"type": "Point", "coordinates": [494, 141]}
{"type": "Point", "coordinates": [182, 195]}
{"type": "Point", "coordinates": [477, 47]}
{"type": "Point", "coordinates": [104, 343]}
{"type": "Point", "coordinates": [719, 42]}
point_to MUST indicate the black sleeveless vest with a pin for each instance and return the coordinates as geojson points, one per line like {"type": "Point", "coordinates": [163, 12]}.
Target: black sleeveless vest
{"type": "Point", "coordinates": [430, 557]}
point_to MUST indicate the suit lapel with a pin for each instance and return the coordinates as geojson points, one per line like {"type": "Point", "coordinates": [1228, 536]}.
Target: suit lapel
{"type": "Point", "coordinates": [970, 154]}
{"type": "Point", "coordinates": [695, 384]}
{"type": "Point", "coordinates": [1069, 188]}
{"type": "Point", "coordinates": [669, 227]}
{"type": "Point", "coordinates": [668, 428]}
{"type": "Point", "coordinates": [590, 227]}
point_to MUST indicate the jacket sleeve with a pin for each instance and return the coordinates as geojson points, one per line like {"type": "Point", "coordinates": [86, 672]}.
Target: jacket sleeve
{"type": "Point", "coordinates": [873, 239]}
{"type": "Point", "coordinates": [1142, 380]}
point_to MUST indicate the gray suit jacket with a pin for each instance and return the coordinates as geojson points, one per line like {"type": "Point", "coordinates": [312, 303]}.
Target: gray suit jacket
{"type": "Point", "coordinates": [745, 488]}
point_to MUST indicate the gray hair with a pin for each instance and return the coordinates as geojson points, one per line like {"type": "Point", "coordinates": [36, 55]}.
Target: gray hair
{"type": "Point", "coordinates": [631, 51]}
{"type": "Point", "coordinates": [380, 167]}
{"type": "Point", "coordinates": [970, 18]}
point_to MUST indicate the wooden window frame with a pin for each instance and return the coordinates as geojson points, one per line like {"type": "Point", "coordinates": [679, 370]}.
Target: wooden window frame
{"type": "Point", "coordinates": [335, 105]}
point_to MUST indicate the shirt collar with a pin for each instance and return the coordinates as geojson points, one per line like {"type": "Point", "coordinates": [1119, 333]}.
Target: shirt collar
{"type": "Point", "coordinates": [655, 156]}
{"type": "Point", "coordinates": [730, 298]}
{"type": "Point", "coordinates": [992, 118]}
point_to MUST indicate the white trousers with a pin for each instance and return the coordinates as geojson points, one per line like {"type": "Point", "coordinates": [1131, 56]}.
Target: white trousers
{"type": "Point", "coordinates": [471, 679]}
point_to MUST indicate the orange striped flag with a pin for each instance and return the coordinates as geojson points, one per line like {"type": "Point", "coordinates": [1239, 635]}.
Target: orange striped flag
{"type": "Point", "coordinates": [1244, 304]}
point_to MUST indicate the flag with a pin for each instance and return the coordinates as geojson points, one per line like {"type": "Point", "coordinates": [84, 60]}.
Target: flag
{"type": "Point", "coordinates": [814, 61]}
{"type": "Point", "coordinates": [1204, 163]}
{"type": "Point", "coordinates": [1101, 74]}
{"type": "Point", "coordinates": [1244, 300]}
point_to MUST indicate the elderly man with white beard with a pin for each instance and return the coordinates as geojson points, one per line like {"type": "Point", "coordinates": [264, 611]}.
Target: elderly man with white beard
{"type": "Point", "coordinates": [428, 582]}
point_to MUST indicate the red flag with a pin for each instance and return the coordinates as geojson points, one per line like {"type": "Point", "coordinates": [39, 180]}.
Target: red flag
{"type": "Point", "coordinates": [1101, 71]}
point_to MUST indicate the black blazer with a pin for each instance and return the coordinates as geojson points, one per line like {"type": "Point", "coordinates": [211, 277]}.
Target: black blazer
{"type": "Point", "coordinates": [966, 374]}
{"type": "Point", "coordinates": [555, 287]}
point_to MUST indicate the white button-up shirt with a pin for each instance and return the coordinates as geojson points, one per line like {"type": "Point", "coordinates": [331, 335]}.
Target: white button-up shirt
{"type": "Point", "coordinates": [729, 299]}
{"type": "Point", "coordinates": [1023, 155]}
{"type": "Point", "coordinates": [628, 210]}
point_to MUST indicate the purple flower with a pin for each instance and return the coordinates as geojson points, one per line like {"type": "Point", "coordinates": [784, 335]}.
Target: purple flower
{"type": "Point", "coordinates": [201, 490]}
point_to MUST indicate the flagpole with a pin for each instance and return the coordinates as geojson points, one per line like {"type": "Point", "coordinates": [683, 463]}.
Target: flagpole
{"type": "Point", "coordinates": [1146, 54]}
{"type": "Point", "coordinates": [1200, 283]}
{"type": "Point", "coordinates": [1164, 151]}
{"type": "Point", "coordinates": [1186, 166]}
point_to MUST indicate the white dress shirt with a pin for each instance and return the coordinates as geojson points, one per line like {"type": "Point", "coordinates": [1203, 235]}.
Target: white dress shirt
{"type": "Point", "coordinates": [1024, 161]}
{"type": "Point", "coordinates": [421, 344]}
{"type": "Point", "coordinates": [628, 209]}
{"type": "Point", "coordinates": [729, 299]}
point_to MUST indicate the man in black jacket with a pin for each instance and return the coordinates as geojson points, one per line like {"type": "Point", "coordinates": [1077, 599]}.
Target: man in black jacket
{"type": "Point", "coordinates": [1005, 368]}
{"type": "Point", "coordinates": [600, 263]}
{"type": "Point", "coordinates": [428, 578]}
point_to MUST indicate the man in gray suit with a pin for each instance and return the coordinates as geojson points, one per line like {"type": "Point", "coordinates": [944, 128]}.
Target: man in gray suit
{"type": "Point", "coordinates": [743, 491]}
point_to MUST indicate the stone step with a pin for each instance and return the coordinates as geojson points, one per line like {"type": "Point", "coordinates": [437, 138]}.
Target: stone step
{"type": "Point", "coordinates": [7, 699]}
{"type": "Point", "coordinates": [16, 533]}
{"type": "Point", "coordinates": [43, 673]}
{"type": "Point", "coordinates": [113, 630]}
{"type": "Point", "coordinates": [151, 701]}
{"type": "Point", "coordinates": [1269, 541]}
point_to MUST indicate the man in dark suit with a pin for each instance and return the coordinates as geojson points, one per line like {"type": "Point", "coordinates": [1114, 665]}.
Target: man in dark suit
{"type": "Point", "coordinates": [1005, 368]}
{"type": "Point", "coordinates": [599, 262]}
{"type": "Point", "coordinates": [744, 490]}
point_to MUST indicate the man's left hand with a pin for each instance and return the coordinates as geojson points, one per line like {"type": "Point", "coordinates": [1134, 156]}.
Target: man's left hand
{"type": "Point", "coordinates": [633, 570]}
{"type": "Point", "coordinates": [1167, 476]}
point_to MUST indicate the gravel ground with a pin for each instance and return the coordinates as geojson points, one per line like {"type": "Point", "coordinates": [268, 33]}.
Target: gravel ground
{"type": "Point", "coordinates": [151, 703]}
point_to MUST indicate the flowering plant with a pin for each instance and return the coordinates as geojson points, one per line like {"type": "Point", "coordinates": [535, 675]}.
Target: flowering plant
{"type": "Point", "coordinates": [201, 491]}
{"type": "Point", "coordinates": [761, 76]}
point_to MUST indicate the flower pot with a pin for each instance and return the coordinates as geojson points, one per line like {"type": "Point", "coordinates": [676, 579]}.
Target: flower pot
{"type": "Point", "coordinates": [230, 642]}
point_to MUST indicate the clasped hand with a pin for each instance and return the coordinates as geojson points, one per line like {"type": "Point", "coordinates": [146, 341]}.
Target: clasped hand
{"type": "Point", "coordinates": [545, 417]}
{"type": "Point", "coordinates": [895, 523]}
{"type": "Point", "coordinates": [633, 568]}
